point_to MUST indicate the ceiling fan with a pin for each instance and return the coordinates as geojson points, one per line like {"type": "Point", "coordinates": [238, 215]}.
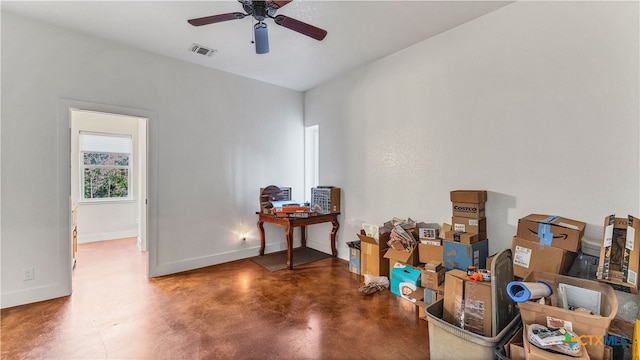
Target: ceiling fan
{"type": "Point", "coordinates": [261, 10]}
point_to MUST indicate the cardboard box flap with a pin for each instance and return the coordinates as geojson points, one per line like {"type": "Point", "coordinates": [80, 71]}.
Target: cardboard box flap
{"type": "Point", "coordinates": [399, 255]}
{"type": "Point", "coordinates": [368, 239]}
{"type": "Point", "coordinates": [416, 295]}
{"type": "Point", "coordinates": [557, 221]}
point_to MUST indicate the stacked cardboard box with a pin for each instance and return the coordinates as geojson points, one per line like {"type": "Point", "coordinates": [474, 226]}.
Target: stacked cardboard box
{"type": "Point", "coordinates": [466, 242]}
{"type": "Point", "coordinates": [430, 242]}
{"type": "Point", "coordinates": [405, 280]}
{"type": "Point", "coordinates": [545, 243]}
{"type": "Point", "coordinates": [354, 256]}
{"type": "Point", "coordinates": [408, 253]}
{"type": "Point", "coordinates": [433, 275]}
{"type": "Point", "coordinates": [468, 220]}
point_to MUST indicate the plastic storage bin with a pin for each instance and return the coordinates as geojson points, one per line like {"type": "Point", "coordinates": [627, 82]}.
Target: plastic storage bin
{"type": "Point", "coordinates": [584, 266]}
{"type": "Point", "coordinates": [591, 246]}
{"type": "Point", "coordinates": [447, 341]}
{"type": "Point", "coordinates": [591, 326]}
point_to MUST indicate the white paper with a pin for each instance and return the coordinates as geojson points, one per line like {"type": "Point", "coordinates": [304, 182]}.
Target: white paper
{"type": "Point", "coordinates": [569, 226]}
{"type": "Point", "coordinates": [631, 237]}
{"type": "Point", "coordinates": [632, 277]}
{"type": "Point", "coordinates": [371, 231]}
{"type": "Point", "coordinates": [582, 298]}
{"type": "Point", "coordinates": [608, 235]}
{"type": "Point", "coordinates": [522, 256]}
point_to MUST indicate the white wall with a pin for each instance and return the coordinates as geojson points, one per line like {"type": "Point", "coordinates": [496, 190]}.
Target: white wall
{"type": "Point", "coordinates": [537, 103]}
{"type": "Point", "coordinates": [112, 220]}
{"type": "Point", "coordinates": [210, 151]}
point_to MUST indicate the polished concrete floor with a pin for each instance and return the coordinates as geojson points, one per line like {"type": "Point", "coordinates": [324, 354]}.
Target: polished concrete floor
{"type": "Point", "coordinates": [236, 310]}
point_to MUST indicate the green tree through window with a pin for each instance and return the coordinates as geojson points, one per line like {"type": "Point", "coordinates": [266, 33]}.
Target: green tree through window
{"type": "Point", "coordinates": [105, 175]}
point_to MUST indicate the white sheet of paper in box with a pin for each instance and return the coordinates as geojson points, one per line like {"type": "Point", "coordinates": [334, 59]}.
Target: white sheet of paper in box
{"type": "Point", "coordinates": [578, 297]}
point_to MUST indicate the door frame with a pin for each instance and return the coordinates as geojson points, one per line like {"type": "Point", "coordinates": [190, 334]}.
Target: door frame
{"type": "Point", "coordinates": [148, 207]}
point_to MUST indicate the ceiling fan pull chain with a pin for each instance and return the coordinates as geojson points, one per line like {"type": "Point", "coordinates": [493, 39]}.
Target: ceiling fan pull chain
{"type": "Point", "coordinates": [253, 39]}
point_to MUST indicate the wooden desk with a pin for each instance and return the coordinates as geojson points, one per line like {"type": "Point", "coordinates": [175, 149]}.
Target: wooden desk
{"type": "Point", "coordinates": [290, 224]}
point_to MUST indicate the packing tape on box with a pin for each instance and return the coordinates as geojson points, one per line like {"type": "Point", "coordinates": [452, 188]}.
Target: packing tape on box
{"type": "Point", "coordinates": [524, 291]}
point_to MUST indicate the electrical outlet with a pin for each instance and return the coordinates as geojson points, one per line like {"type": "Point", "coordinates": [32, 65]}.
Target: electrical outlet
{"type": "Point", "coordinates": [28, 274]}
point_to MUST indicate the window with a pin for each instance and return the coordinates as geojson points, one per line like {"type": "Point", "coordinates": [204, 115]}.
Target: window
{"type": "Point", "coordinates": [105, 166]}
{"type": "Point", "coordinates": [311, 158]}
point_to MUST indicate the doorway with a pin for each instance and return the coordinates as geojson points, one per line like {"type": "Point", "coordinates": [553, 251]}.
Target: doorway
{"type": "Point", "coordinates": [123, 213]}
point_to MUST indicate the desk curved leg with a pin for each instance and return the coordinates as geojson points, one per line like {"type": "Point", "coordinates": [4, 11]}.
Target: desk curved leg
{"type": "Point", "coordinates": [261, 228]}
{"type": "Point", "coordinates": [334, 231]}
{"type": "Point", "coordinates": [289, 234]}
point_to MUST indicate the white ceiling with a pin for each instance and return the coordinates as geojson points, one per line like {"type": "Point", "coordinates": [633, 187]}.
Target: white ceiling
{"type": "Point", "coordinates": [359, 32]}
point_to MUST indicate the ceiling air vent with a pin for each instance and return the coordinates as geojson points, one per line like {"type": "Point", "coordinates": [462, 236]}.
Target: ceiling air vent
{"type": "Point", "coordinates": [199, 49]}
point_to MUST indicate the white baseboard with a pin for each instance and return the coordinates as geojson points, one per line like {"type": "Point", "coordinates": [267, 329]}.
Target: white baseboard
{"type": "Point", "coordinates": [196, 263]}
{"type": "Point", "coordinates": [35, 294]}
{"type": "Point", "coordinates": [87, 238]}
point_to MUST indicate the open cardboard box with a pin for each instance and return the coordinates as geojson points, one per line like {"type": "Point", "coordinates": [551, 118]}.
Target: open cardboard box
{"type": "Point", "coordinates": [583, 324]}
{"type": "Point", "coordinates": [408, 257]}
{"type": "Point", "coordinates": [620, 254]}
{"type": "Point", "coordinates": [372, 260]}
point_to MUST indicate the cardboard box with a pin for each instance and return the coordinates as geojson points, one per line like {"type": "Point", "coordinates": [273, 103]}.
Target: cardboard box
{"type": "Point", "coordinates": [553, 231]}
{"type": "Point", "coordinates": [452, 311]}
{"type": "Point", "coordinates": [461, 256]}
{"type": "Point", "coordinates": [475, 226]}
{"type": "Point", "coordinates": [430, 251]}
{"type": "Point", "coordinates": [532, 352]}
{"type": "Point", "coordinates": [468, 210]}
{"type": "Point", "coordinates": [591, 327]}
{"type": "Point", "coordinates": [403, 256]}
{"type": "Point", "coordinates": [444, 229]}
{"type": "Point", "coordinates": [428, 232]}
{"type": "Point", "coordinates": [529, 255]}
{"type": "Point", "coordinates": [514, 348]}
{"type": "Point", "coordinates": [372, 260]}
{"type": "Point", "coordinates": [461, 237]}
{"type": "Point", "coordinates": [325, 200]}
{"type": "Point", "coordinates": [468, 196]}
{"type": "Point", "coordinates": [429, 296]}
{"type": "Point", "coordinates": [354, 256]}
{"type": "Point", "coordinates": [433, 275]}
{"type": "Point", "coordinates": [433, 295]}
{"type": "Point", "coordinates": [405, 279]}
{"type": "Point", "coordinates": [477, 307]}
{"type": "Point", "coordinates": [620, 254]}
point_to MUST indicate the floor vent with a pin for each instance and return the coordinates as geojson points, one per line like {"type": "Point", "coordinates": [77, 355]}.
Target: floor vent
{"type": "Point", "coordinates": [199, 49]}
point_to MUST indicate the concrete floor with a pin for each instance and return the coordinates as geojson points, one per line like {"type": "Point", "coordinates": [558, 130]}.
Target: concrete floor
{"type": "Point", "coordinates": [236, 310]}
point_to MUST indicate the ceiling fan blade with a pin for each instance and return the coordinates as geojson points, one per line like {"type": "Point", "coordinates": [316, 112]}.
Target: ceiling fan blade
{"type": "Point", "coordinates": [301, 27]}
{"type": "Point", "coordinates": [277, 4]}
{"type": "Point", "coordinates": [215, 18]}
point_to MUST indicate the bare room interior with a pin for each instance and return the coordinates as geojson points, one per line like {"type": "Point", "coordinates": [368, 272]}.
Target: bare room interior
{"type": "Point", "coordinates": [228, 123]}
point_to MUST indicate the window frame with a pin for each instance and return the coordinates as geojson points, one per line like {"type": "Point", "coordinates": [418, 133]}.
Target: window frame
{"type": "Point", "coordinates": [82, 167]}
{"type": "Point", "coordinates": [311, 159]}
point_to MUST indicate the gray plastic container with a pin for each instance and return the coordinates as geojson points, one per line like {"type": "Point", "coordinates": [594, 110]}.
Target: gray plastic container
{"type": "Point", "coordinates": [447, 341]}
